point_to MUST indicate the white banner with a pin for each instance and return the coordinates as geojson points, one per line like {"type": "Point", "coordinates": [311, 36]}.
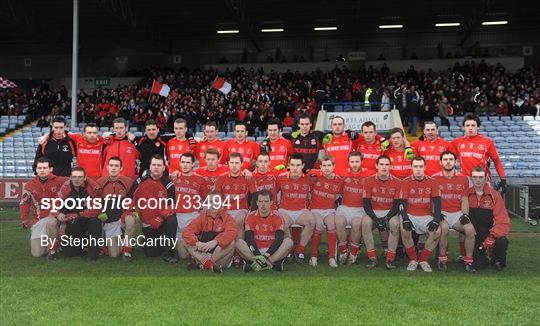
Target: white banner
{"type": "Point", "coordinates": [354, 120]}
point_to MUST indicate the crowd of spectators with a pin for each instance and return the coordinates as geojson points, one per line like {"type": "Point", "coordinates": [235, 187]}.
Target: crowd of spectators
{"type": "Point", "coordinates": [257, 95]}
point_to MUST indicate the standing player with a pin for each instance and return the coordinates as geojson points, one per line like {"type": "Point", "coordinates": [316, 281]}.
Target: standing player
{"type": "Point", "coordinates": [400, 154]}
{"type": "Point", "coordinates": [306, 142]}
{"type": "Point", "coordinates": [265, 245]}
{"type": "Point", "coordinates": [59, 148]}
{"type": "Point", "coordinates": [430, 146]}
{"type": "Point", "coordinates": [491, 222]}
{"type": "Point", "coordinates": [149, 145]}
{"type": "Point", "coordinates": [236, 187]}
{"type": "Point", "coordinates": [210, 238]}
{"type": "Point", "coordinates": [119, 145]}
{"type": "Point", "coordinates": [352, 208]}
{"type": "Point", "coordinates": [474, 149]}
{"type": "Point", "coordinates": [381, 205]}
{"type": "Point", "coordinates": [211, 141]}
{"type": "Point", "coordinates": [43, 185]}
{"type": "Point", "coordinates": [212, 170]}
{"type": "Point", "coordinates": [339, 145]}
{"type": "Point", "coordinates": [190, 191]}
{"type": "Point", "coordinates": [249, 150]}
{"type": "Point", "coordinates": [264, 179]}
{"type": "Point", "coordinates": [326, 187]}
{"type": "Point", "coordinates": [421, 211]}
{"type": "Point", "coordinates": [294, 189]}
{"type": "Point", "coordinates": [279, 148]}
{"type": "Point", "coordinates": [179, 145]}
{"type": "Point", "coordinates": [115, 187]}
{"type": "Point", "coordinates": [371, 145]}
{"type": "Point", "coordinates": [453, 187]}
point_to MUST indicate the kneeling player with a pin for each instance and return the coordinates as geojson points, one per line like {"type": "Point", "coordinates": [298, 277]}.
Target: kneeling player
{"type": "Point", "coordinates": [114, 188]}
{"type": "Point", "coordinates": [421, 211]}
{"type": "Point", "coordinates": [44, 225]}
{"type": "Point", "coordinates": [381, 204]}
{"type": "Point", "coordinates": [210, 238]}
{"type": "Point", "coordinates": [453, 187]}
{"type": "Point", "coordinates": [265, 245]}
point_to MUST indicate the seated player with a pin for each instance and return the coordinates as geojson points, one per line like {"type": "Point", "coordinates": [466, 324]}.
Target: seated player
{"type": "Point", "coordinates": [114, 188]}
{"type": "Point", "coordinates": [82, 220]}
{"type": "Point", "coordinates": [294, 189]}
{"type": "Point", "coordinates": [421, 212]}
{"type": "Point", "coordinates": [491, 222]}
{"type": "Point", "coordinates": [453, 187]}
{"type": "Point", "coordinates": [326, 187]}
{"type": "Point", "coordinates": [210, 238]}
{"type": "Point", "coordinates": [265, 245]}
{"type": "Point", "coordinates": [351, 208]}
{"type": "Point", "coordinates": [190, 194]}
{"type": "Point", "coordinates": [43, 224]}
{"type": "Point", "coordinates": [381, 205]}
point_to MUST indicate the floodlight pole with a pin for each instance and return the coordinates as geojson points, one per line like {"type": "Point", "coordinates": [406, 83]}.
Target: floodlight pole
{"type": "Point", "coordinates": [74, 63]}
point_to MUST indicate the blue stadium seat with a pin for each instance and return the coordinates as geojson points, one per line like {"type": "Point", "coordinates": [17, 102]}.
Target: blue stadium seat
{"type": "Point", "coordinates": [527, 173]}
{"type": "Point", "coordinates": [512, 173]}
{"type": "Point", "coordinates": [521, 165]}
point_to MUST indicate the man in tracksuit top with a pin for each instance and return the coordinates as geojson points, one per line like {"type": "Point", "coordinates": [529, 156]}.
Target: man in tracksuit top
{"type": "Point", "coordinates": [490, 219]}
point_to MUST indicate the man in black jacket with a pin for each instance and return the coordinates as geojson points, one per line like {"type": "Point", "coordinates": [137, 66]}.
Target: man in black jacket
{"type": "Point", "coordinates": [59, 148]}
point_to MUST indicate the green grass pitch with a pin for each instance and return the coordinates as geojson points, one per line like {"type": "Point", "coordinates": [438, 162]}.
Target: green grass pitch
{"type": "Point", "coordinates": [150, 291]}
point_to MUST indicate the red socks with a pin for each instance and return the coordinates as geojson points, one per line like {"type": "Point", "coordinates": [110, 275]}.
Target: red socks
{"type": "Point", "coordinates": [424, 256]}
{"type": "Point", "coordinates": [411, 253]}
{"type": "Point", "coordinates": [390, 255]}
{"type": "Point", "coordinates": [332, 242]}
{"type": "Point", "coordinates": [443, 257]}
{"type": "Point", "coordinates": [343, 247]}
{"type": "Point", "coordinates": [355, 247]}
{"type": "Point", "coordinates": [299, 249]}
{"type": "Point", "coordinates": [468, 260]}
{"type": "Point", "coordinates": [127, 249]}
{"type": "Point", "coordinates": [296, 233]}
{"type": "Point", "coordinates": [315, 242]}
{"type": "Point", "coordinates": [208, 263]}
{"type": "Point", "coordinates": [372, 254]}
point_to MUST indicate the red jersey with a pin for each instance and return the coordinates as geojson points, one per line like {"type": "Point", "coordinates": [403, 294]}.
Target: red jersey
{"type": "Point", "coordinates": [339, 148]}
{"type": "Point", "coordinates": [400, 166]}
{"type": "Point", "coordinates": [264, 228]}
{"type": "Point", "coordinates": [35, 191]}
{"type": "Point", "coordinates": [476, 150]}
{"type": "Point", "coordinates": [119, 188]}
{"type": "Point", "coordinates": [248, 149]}
{"type": "Point", "coordinates": [353, 187]}
{"type": "Point", "coordinates": [431, 151]}
{"type": "Point", "coordinates": [370, 153]}
{"type": "Point", "coordinates": [237, 189]}
{"type": "Point", "coordinates": [210, 177]}
{"type": "Point", "coordinates": [175, 149]}
{"type": "Point", "coordinates": [124, 149]}
{"type": "Point", "coordinates": [189, 191]}
{"type": "Point", "coordinates": [324, 191]}
{"type": "Point", "coordinates": [418, 194]}
{"type": "Point", "coordinates": [294, 192]}
{"type": "Point", "coordinates": [381, 192]}
{"type": "Point", "coordinates": [155, 189]}
{"type": "Point", "coordinates": [89, 155]}
{"type": "Point", "coordinates": [280, 151]}
{"type": "Point", "coordinates": [266, 181]}
{"type": "Point", "coordinates": [218, 144]}
{"type": "Point", "coordinates": [452, 190]}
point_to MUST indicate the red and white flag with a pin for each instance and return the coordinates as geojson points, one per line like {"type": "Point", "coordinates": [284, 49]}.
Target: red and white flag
{"type": "Point", "coordinates": [159, 88]}
{"type": "Point", "coordinates": [6, 83]}
{"type": "Point", "coordinates": [221, 85]}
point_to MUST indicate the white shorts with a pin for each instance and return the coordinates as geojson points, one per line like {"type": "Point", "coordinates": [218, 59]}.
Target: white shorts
{"type": "Point", "coordinates": [452, 218]}
{"type": "Point", "coordinates": [235, 212]}
{"type": "Point", "coordinates": [263, 250]}
{"type": "Point", "coordinates": [323, 212]}
{"type": "Point", "coordinates": [183, 219]}
{"type": "Point", "coordinates": [420, 223]}
{"type": "Point", "coordinates": [39, 229]}
{"type": "Point", "coordinates": [350, 212]}
{"type": "Point", "coordinates": [294, 215]}
{"type": "Point", "coordinates": [381, 213]}
{"type": "Point", "coordinates": [112, 229]}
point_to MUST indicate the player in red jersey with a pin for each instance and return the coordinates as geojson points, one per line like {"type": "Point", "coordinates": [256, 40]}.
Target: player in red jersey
{"type": "Point", "coordinates": [381, 204]}
{"type": "Point", "coordinates": [421, 200]}
{"type": "Point", "coordinates": [474, 149]}
{"type": "Point", "coordinates": [191, 191]}
{"type": "Point", "coordinates": [114, 188]}
{"type": "Point", "coordinates": [430, 146]}
{"type": "Point", "coordinates": [212, 170]}
{"type": "Point", "coordinates": [453, 187]}
{"type": "Point", "coordinates": [264, 178]}
{"type": "Point", "coordinates": [236, 187]}
{"type": "Point", "coordinates": [279, 148]}
{"type": "Point", "coordinates": [400, 154]}
{"type": "Point", "coordinates": [119, 145]}
{"type": "Point", "coordinates": [265, 244]}
{"type": "Point", "coordinates": [44, 186]}
{"type": "Point", "coordinates": [351, 208]}
{"type": "Point", "coordinates": [325, 189]}
{"type": "Point", "coordinates": [247, 148]}
{"type": "Point", "coordinates": [339, 145]}
{"type": "Point", "coordinates": [211, 141]}
{"type": "Point", "coordinates": [294, 189]}
{"type": "Point", "coordinates": [179, 145]}
{"type": "Point", "coordinates": [371, 145]}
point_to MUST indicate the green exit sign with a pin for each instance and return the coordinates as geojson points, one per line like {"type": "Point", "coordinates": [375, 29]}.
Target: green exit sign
{"type": "Point", "coordinates": [102, 82]}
